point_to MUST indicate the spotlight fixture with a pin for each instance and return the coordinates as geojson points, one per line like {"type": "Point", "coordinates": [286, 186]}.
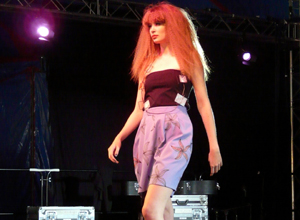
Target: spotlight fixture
{"type": "Point", "coordinates": [247, 57]}
{"type": "Point", "coordinates": [44, 32]}
{"type": "Point", "coordinates": [39, 25]}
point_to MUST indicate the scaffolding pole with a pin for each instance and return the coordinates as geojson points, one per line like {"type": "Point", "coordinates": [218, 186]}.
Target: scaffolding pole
{"type": "Point", "coordinates": [292, 136]}
{"type": "Point", "coordinates": [294, 67]}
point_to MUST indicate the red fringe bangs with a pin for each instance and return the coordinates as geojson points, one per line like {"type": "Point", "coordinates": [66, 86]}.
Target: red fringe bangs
{"type": "Point", "coordinates": [153, 15]}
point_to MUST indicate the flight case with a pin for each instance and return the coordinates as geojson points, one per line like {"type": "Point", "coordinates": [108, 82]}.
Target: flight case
{"type": "Point", "coordinates": [190, 207]}
{"type": "Point", "coordinates": [60, 213]}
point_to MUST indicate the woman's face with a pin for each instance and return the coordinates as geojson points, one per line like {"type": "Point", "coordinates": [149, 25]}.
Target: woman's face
{"type": "Point", "coordinates": [158, 32]}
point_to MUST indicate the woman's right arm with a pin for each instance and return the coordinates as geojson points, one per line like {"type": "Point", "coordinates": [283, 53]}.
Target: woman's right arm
{"type": "Point", "coordinates": [131, 124]}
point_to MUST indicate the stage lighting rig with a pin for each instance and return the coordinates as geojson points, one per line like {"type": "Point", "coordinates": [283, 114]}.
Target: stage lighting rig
{"type": "Point", "coordinates": [39, 25]}
{"type": "Point", "coordinates": [247, 57]}
{"type": "Point", "coordinates": [44, 32]}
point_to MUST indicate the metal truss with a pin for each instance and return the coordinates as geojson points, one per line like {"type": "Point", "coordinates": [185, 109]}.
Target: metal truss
{"type": "Point", "coordinates": [128, 13]}
{"type": "Point", "coordinates": [111, 10]}
{"type": "Point", "coordinates": [212, 20]}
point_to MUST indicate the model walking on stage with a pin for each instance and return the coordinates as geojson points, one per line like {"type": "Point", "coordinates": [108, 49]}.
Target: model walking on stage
{"type": "Point", "coordinates": [168, 63]}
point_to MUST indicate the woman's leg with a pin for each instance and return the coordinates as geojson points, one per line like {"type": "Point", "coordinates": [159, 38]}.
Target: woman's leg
{"type": "Point", "coordinates": [157, 203]}
{"type": "Point", "coordinates": [169, 211]}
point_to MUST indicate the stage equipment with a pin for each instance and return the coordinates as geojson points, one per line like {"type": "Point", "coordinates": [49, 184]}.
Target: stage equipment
{"type": "Point", "coordinates": [131, 188]}
{"type": "Point", "coordinates": [190, 207]}
{"type": "Point", "coordinates": [247, 57]}
{"type": "Point", "coordinates": [60, 213]}
{"type": "Point", "coordinates": [47, 180]}
{"type": "Point", "coordinates": [192, 187]}
{"type": "Point", "coordinates": [39, 25]}
{"type": "Point", "coordinates": [190, 200]}
{"type": "Point", "coordinates": [44, 32]}
{"type": "Point", "coordinates": [197, 187]}
{"type": "Point", "coordinates": [130, 13]}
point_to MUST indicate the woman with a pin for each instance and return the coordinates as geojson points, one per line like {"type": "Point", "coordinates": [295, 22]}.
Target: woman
{"type": "Point", "coordinates": [168, 63]}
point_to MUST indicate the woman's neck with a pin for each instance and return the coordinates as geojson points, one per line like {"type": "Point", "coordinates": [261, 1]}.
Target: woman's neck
{"type": "Point", "coordinates": [165, 49]}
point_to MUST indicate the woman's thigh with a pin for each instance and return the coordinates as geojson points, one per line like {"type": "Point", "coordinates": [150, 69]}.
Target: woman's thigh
{"type": "Point", "coordinates": [158, 199]}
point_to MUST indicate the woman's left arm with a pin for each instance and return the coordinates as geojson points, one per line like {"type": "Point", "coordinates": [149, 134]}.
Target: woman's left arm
{"type": "Point", "coordinates": [205, 110]}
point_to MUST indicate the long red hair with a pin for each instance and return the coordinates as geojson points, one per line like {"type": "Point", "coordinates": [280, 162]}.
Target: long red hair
{"type": "Point", "coordinates": [182, 37]}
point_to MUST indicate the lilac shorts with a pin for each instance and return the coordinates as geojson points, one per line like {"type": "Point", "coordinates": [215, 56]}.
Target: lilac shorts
{"type": "Point", "coordinates": [162, 147]}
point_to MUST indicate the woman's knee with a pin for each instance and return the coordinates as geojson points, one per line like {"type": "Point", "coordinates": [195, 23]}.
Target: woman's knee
{"type": "Point", "coordinates": [148, 213]}
{"type": "Point", "coordinates": [156, 201]}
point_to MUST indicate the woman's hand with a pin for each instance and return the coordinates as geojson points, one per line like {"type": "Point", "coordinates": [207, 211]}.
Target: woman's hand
{"type": "Point", "coordinates": [215, 160]}
{"type": "Point", "coordinates": [113, 150]}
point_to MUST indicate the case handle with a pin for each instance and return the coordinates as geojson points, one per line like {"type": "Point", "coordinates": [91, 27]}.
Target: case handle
{"type": "Point", "coordinates": [182, 203]}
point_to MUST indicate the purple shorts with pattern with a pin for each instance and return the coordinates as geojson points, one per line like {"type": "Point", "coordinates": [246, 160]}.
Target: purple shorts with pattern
{"type": "Point", "coordinates": [162, 147]}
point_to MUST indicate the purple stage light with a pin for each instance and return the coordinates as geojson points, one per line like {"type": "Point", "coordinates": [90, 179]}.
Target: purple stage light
{"type": "Point", "coordinates": [247, 56]}
{"type": "Point", "coordinates": [39, 25]}
{"type": "Point", "coordinates": [43, 31]}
